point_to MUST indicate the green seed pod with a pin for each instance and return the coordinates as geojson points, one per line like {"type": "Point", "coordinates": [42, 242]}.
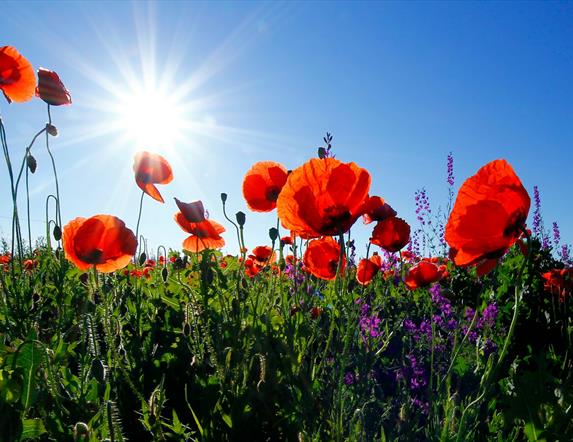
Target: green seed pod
{"type": "Point", "coordinates": [273, 233]}
{"type": "Point", "coordinates": [57, 233]}
{"type": "Point", "coordinates": [31, 162]}
{"type": "Point", "coordinates": [52, 130]}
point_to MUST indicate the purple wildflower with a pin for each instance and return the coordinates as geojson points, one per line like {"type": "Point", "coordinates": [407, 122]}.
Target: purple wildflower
{"type": "Point", "coordinates": [472, 335]}
{"type": "Point", "coordinates": [470, 313]}
{"type": "Point", "coordinates": [556, 235]}
{"type": "Point", "coordinates": [349, 378]}
{"type": "Point", "coordinates": [426, 329]}
{"type": "Point", "coordinates": [489, 347]}
{"type": "Point", "coordinates": [452, 324]}
{"type": "Point", "coordinates": [410, 326]}
{"type": "Point", "coordinates": [565, 254]}
{"type": "Point", "coordinates": [537, 227]}
{"type": "Point", "coordinates": [423, 406]}
{"type": "Point", "coordinates": [423, 210]}
{"type": "Point", "coordinates": [489, 315]}
{"type": "Point", "coordinates": [450, 169]}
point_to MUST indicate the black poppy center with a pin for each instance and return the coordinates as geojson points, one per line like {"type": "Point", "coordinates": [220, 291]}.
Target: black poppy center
{"type": "Point", "coordinates": [273, 193]}
{"type": "Point", "coordinates": [94, 256]}
{"type": "Point", "coordinates": [336, 218]}
{"type": "Point", "coordinates": [515, 225]}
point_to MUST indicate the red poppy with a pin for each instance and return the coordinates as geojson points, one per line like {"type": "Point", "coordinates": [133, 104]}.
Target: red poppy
{"type": "Point", "coordinates": [322, 256]}
{"type": "Point", "coordinates": [205, 234]}
{"type": "Point", "coordinates": [367, 269]}
{"type": "Point", "coordinates": [286, 241]}
{"type": "Point", "coordinates": [422, 274]}
{"type": "Point", "coordinates": [488, 216]}
{"type": "Point", "coordinates": [290, 259]}
{"type": "Point", "coordinates": [263, 255]}
{"type": "Point", "coordinates": [51, 89]}
{"type": "Point", "coordinates": [17, 78]}
{"type": "Point", "coordinates": [193, 212]}
{"type": "Point", "coordinates": [262, 185]}
{"type": "Point", "coordinates": [30, 264]}
{"type": "Point", "coordinates": [377, 210]}
{"type": "Point", "coordinates": [102, 241]}
{"type": "Point", "coordinates": [5, 258]}
{"type": "Point", "coordinates": [323, 197]}
{"type": "Point", "coordinates": [392, 234]}
{"type": "Point", "coordinates": [559, 281]}
{"type": "Point", "coordinates": [151, 169]}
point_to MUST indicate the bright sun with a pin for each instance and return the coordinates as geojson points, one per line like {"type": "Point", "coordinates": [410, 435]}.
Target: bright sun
{"type": "Point", "coordinates": [151, 118]}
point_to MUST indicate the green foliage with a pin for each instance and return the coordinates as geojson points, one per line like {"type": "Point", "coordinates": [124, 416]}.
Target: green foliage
{"type": "Point", "coordinates": [196, 350]}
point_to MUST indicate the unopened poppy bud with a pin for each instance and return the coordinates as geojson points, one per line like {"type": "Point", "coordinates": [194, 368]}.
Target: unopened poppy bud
{"type": "Point", "coordinates": [321, 152]}
{"type": "Point", "coordinates": [57, 232]}
{"type": "Point", "coordinates": [52, 130]}
{"type": "Point", "coordinates": [142, 258]}
{"type": "Point", "coordinates": [98, 371]}
{"type": "Point", "coordinates": [273, 233]}
{"type": "Point", "coordinates": [241, 218]}
{"type": "Point", "coordinates": [164, 274]}
{"type": "Point", "coordinates": [31, 162]}
{"type": "Point", "coordinates": [223, 197]}
{"type": "Point", "coordinates": [81, 431]}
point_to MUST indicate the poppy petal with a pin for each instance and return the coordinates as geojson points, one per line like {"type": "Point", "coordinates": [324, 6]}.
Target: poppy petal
{"type": "Point", "coordinates": [17, 77]}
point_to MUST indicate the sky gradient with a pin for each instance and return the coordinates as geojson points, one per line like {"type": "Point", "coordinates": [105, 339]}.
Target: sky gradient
{"type": "Point", "coordinates": [399, 85]}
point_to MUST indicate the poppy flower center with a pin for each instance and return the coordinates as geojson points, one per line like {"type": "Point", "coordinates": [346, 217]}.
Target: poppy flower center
{"type": "Point", "coordinates": [332, 266]}
{"type": "Point", "coordinates": [94, 256]}
{"type": "Point", "coordinates": [9, 76]}
{"type": "Point", "coordinates": [336, 217]}
{"type": "Point", "coordinates": [202, 233]}
{"type": "Point", "coordinates": [514, 225]}
{"type": "Point", "coordinates": [273, 193]}
{"type": "Point", "coordinates": [144, 177]}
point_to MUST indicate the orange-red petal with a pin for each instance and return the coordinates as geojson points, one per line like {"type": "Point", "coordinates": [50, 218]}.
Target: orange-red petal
{"type": "Point", "coordinates": [392, 234]}
{"type": "Point", "coordinates": [366, 271]}
{"type": "Point", "coordinates": [323, 197]}
{"type": "Point", "coordinates": [150, 169]}
{"type": "Point", "coordinates": [102, 241]}
{"type": "Point", "coordinates": [488, 215]}
{"type": "Point", "coordinates": [17, 77]}
{"type": "Point", "coordinates": [51, 89]}
{"type": "Point", "coordinates": [322, 256]}
{"type": "Point", "coordinates": [262, 185]}
{"type": "Point", "coordinates": [422, 274]}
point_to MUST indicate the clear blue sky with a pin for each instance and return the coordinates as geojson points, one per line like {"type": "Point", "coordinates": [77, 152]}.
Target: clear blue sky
{"type": "Point", "coordinates": [398, 84]}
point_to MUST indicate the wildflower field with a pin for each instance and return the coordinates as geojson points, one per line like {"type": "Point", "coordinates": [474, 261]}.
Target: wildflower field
{"type": "Point", "coordinates": [455, 326]}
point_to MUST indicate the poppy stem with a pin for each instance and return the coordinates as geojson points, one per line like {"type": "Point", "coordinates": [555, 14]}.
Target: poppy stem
{"type": "Point", "coordinates": [28, 211]}
{"type": "Point", "coordinates": [493, 368]}
{"type": "Point", "coordinates": [58, 212]}
{"type": "Point", "coordinates": [16, 232]}
{"type": "Point", "coordinates": [139, 219]}
{"type": "Point", "coordinates": [48, 221]}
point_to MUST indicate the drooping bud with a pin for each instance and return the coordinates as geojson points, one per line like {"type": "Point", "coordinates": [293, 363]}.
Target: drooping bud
{"type": "Point", "coordinates": [223, 197]}
{"type": "Point", "coordinates": [52, 130]}
{"type": "Point", "coordinates": [57, 232]}
{"type": "Point", "coordinates": [142, 258]}
{"type": "Point", "coordinates": [31, 162]}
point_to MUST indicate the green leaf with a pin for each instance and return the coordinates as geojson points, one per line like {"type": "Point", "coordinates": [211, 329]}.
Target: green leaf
{"type": "Point", "coordinates": [32, 429]}
{"type": "Point", "coordinates": [28, 357]}
{"type": "Point", "coordinates": [177, 427]}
